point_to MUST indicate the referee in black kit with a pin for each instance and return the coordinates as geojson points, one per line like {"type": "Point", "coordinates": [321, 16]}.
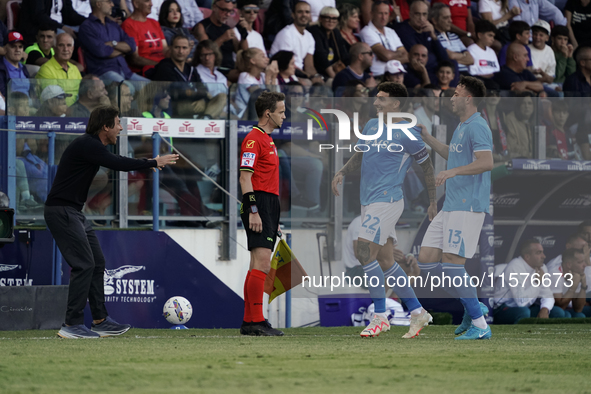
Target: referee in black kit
{"type": "Point", "coordinates": [73, 233]}
{"type": "Point", "coordinates": [260, 209]}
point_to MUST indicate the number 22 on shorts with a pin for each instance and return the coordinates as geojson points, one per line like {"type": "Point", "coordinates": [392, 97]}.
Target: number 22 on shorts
{"type": "Point", "coordinates": [456, 235]}
{"type": "Point", "coordinates": [373, 224]}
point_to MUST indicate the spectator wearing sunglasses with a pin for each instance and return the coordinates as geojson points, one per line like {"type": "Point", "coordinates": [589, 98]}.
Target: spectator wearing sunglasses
{"type": "Point", "coordinates": [330, 55]}
{"type": "Point", "coordinates": [215, 28]}
{"type": "Point", "coordinates": [248, 37]}
{"type": "Point", "coordinates": [361, 60]}
{"type": "Point", "coordinates": [316, 7]}
{"type": "Point", "coordinates": [172, 23]}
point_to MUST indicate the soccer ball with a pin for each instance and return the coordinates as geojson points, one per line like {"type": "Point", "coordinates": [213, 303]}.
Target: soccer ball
{"type": "Point", "coordinates": [177, 310]}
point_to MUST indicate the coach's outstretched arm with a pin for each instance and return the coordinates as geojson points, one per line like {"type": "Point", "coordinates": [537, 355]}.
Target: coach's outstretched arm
{"type": "Point", "coordinates": [483, 163]}
{"type": "Point", "coordinates": [352, 165]}
{"type": "Point", "coordinates": [429, 173]}
{"type": "Point", "coordinates": [434, 143]}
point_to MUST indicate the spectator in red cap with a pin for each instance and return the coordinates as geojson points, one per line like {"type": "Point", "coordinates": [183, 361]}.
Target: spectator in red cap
{"type": "Point", "coordinates": [11, 68]}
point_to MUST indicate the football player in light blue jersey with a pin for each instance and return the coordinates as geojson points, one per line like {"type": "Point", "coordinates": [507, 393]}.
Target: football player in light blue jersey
{"type": "Point", "coordinates": [383, 165]}
{"type": "Point", "coordinates": [453, 235]}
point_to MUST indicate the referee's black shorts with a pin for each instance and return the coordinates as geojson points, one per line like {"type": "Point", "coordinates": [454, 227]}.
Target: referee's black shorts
{"type": "Point", "coordinates": [269, 211]}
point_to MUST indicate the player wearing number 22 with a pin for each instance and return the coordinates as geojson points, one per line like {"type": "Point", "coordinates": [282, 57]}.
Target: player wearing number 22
{"type": "Point", "coordinates": [260, 210]}
{"type": "Point", "coordinates": [383, 168]}
{"type": "Point", "coordinates": [453, 235]}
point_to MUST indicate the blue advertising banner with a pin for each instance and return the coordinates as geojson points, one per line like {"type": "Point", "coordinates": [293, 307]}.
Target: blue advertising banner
{"type": "Point", "coordinates": [288, 131]}
{"type": "Point", "coordinates": [64, 125]}
{"type": "Point", "coordinates": [143, 270]}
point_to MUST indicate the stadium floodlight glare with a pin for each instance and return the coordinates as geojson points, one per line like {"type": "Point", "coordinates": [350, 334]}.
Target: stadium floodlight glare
{"type": "Point", "coordinates": [6, 225]}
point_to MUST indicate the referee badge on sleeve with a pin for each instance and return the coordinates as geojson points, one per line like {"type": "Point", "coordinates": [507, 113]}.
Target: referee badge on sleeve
{"type": "Point", "coordinates": [248, 159]}
{"type": "Point", "coordinates": [250, 144]}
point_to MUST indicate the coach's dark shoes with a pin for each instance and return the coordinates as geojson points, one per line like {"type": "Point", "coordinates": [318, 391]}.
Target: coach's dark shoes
{"type": "Point", "coordinates": [110, 327]}
{"type": "Point", "coordinates": [76, 332]}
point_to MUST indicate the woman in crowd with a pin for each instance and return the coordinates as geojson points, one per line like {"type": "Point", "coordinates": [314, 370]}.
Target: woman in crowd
{"type": "Point", "coordinates": [498, 12]}
{"type": "Point", "coordinates": [255, 73]}
{"type": "Point", "coordinates": [330, 54]}
{"type": "Point", "coordinates": [349, 24]}
{"type": "Point", "coordinates": [519, 127]}
{"type": "Point", "coordinates": [286, 65]}
{"type": "Point", "coordinates": [171, 21]}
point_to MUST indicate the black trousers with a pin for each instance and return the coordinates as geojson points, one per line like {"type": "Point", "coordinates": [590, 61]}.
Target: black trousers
{"type": "Point", "coordinates": [78, 244]}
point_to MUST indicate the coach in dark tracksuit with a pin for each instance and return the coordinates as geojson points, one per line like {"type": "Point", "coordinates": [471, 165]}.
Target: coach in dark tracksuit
{"type": "Point", "coordinates": [72, 232]}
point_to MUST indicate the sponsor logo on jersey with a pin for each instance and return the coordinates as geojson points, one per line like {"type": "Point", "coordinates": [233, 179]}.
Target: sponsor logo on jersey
{"type": "Point", "coordinates": [248, 159]}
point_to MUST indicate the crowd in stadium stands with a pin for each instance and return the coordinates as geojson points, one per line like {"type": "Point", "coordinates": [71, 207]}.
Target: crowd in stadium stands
{"type": "Point", "coordinates": [83, 54]}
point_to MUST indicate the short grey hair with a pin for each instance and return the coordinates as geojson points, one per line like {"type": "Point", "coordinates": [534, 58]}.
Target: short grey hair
{"type": "Point", "coordinates": [435, 10]}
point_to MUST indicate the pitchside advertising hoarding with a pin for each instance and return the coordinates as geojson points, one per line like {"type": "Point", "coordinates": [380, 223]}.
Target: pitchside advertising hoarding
{"type": "Point", "coordinates": [183, 128]}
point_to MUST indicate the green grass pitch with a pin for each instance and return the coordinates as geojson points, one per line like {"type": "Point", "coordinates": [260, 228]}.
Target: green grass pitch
{"type": "Point", "coordinates": [520, 359]}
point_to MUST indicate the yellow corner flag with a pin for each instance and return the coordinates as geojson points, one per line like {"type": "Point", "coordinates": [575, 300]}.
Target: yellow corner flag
{"type": "Point", "coordinates": [284, 266]}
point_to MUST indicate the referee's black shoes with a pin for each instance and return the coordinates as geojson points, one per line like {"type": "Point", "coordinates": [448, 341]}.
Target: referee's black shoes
{"type": "Point", "coordinates": [259, 329]}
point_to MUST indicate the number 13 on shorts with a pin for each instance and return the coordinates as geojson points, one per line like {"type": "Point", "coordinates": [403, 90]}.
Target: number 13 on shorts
{"type": "Point", "coordinates": [455, 237]}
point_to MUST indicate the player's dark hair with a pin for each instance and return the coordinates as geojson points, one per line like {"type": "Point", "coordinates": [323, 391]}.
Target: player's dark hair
{"type": "Point", "coordinates": [484, 26]}
{"type": "Point", "coordinates": [394, 90]}
{"type": "Point", "coordinates": [569, 255]}
{"type": "Point", "coordinates": [47, 27]}
{"type": "Point", "coordinates": [573, 237]}
{"type": "Point", "coordinates": [268, 101]}
{"type": "Point", "coordinates": [445, 63]}
{"type": "Point", "coordinates": [586, 223]}
{"type": "Point", "coordinates": [517, 27]}
{"type": "Point", "coordinates": [102, 116]}
{"type": "Point", "coordinates": [560, 31]}
{"type": "Point", "coordinates": [526, 246]}
{"type": "Point", "coordinates": [559, 105]}
{"type": "Point", "coordinates": [475, 87]}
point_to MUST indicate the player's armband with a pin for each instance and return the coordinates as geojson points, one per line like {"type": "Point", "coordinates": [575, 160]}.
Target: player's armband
{"type": "Point", "coordinates": [421, 155]}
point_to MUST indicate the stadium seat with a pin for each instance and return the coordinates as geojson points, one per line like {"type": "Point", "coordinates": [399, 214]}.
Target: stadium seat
{"type": "Point", "coordinates": [206, 12]}
{"type": "Point", "coordinates": [12, 11]}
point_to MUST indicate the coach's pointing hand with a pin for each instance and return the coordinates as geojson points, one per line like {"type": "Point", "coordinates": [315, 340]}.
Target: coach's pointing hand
{"type": "Point", "coordinates": [336, 181]}
{"type": "Point", "coordinates": [165, 160]}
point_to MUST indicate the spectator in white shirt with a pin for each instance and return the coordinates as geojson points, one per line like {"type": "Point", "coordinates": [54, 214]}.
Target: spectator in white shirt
{"type": "Point", "coordinates": [485, 58]}
{"type": "Point", "coordinates": [206, 61]}
{"type": "Point", "coordinates": [498, 12]}
{"type": "Point", "coordinates": [571, 289]}
{"type": "Point", "coordinates": [295, 38]}
{"type": "Point", "coordinates": [249, 11]}
{"type": "Point", "coordinates": [516, 294]}
{"type": "Point", "coordinates": [542, 55]}
{"type": "Point", "coordinates": [255, 73]}
{"type": "Point", "coordinates": [384, 42]}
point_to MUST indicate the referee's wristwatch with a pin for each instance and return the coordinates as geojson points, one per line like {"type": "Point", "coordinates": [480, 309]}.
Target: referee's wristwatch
{"type": "Point", "coordinates": [254, 209]}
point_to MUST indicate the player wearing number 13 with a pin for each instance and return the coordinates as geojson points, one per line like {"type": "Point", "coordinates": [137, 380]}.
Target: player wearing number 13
{"type": "Point", "coordinates": [382, 174]}
{"type": "Point", "coordinates": [260, 210]}
{"type": "Point", "coordinates": [453, 235]}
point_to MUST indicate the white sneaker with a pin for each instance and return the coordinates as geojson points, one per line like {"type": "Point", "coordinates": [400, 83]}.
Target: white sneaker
{"type": "Point", "coordinates": [377, 325]}
{"type": "Point", "coordinates": [417, 322]}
